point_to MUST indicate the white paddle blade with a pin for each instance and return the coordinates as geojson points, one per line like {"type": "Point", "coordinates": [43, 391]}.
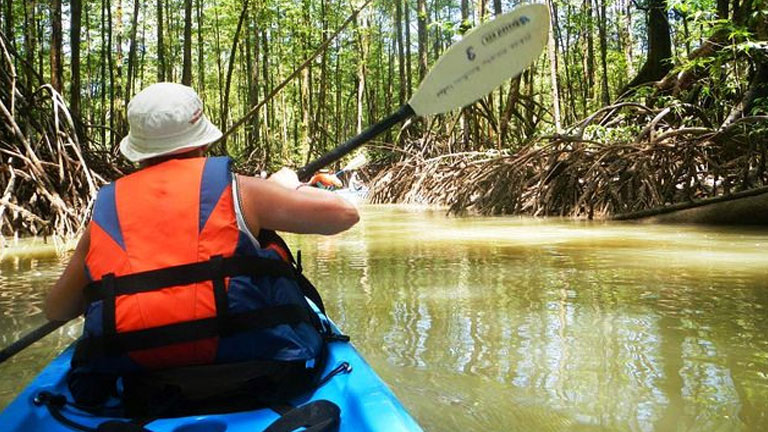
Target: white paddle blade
{"type": "Point", "coordinates": [483, 59]}
{"type": "Point", "coordinates": [357, 162]}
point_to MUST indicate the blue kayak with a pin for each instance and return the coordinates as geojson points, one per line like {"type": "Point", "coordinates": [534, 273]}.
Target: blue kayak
{"type": "Point", "coordinates": [365, 401]}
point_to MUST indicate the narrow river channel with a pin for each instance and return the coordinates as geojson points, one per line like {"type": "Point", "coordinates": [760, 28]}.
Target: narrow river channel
{"type": "Point", "coordinates": [514, 324]}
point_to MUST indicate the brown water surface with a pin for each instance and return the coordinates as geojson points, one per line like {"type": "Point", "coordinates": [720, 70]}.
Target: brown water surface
{"type": "Point", "coordinates": [516, 324]}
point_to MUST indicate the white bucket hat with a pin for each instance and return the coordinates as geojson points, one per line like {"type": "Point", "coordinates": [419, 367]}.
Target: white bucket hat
{"type": "Point", "coordinates": [166, 118]}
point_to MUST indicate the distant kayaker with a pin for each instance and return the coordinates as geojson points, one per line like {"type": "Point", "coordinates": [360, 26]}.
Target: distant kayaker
{"type": "Point", "coordinates": [324, 179]}
{"type": "Point", "coordinates": [170, 271]}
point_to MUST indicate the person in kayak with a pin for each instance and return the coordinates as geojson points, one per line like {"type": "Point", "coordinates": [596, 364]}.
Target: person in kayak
{"type": "Point", "coordinates": [324, 179]}
{"type": "Point", "coordinates": [170, 272]}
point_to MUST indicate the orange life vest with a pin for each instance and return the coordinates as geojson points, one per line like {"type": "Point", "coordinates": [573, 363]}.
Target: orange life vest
{"type": "Point", "coordinates": [176, 282]}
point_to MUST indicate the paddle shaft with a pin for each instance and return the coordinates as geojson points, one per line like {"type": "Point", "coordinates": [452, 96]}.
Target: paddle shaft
{"type": "Point", "coordinates": [29, 339]}
{"type": "Point", "coordinates": [372, 132]}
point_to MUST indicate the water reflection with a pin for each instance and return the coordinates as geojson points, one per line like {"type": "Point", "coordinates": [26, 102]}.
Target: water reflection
{"type": "Point", "coordinates": [513, 324]}
{"type": "Point", "coordinates": [518, 324]}
{"type": "Point", "coordinates": [24, 279]}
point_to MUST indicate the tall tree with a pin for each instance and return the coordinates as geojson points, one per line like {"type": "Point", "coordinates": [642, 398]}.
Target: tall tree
{"type": "Point", "coordinates": [8, 19]}
{"type": "Point", "coordinates": [552, 53]}
{"type": "Point", "coordinates": [464, 119]}
{"type": "Point", "coordinates": [253, 91]}
{"type": "Point", "coordinates": [604, 92]}
{"type": "Point", "coordinates": [56, 37]}
{"type": "Point", "coordinates": [225, 105]}
{"type": "Point", "coordinates": [422, 33]}
{"type": "Point", "coordinates": [658, 63]}
{"type": "Point", "coordinates": [400, 54]}
{"type": "Point", "coordinates": [119, 96]}
{"type": "Point", "coordinates": [132, 52]}
{"type": "Point", "coordinates": [590, 51]}
{"type": "Point", "coordinates": [103, 71]}
{"type": "Point", "coordinates": [626, 31]}
{"type": "Point", "coordinates": [408, 69]}
{"type": "Point", "coordinates": [111, 66]}
{"type": "Point", "coordinates": [74, 42]}
{"type": "Point", "coordinates": [160, 44]}
{"type": "Point", "coordinates": [30, 37]}
{"type": "Point", "coordinates": [186, 75]}
{"type": "Point", "coordinates": [200, 51]}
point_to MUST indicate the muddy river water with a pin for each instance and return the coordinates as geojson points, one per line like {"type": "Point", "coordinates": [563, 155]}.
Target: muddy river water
{"type": "Point", "coordinates": [516, 324]}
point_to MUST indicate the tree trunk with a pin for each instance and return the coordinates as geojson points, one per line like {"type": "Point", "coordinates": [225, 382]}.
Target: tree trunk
{"type": "Point", "coordinates": [129, 86]}
{"type": "Point", "coordinates": [481, 11]}
{"type": "Point", "coordinates": [590, 52]}
{"type": "Point", "coordinates": [219, 71]}
{"type": "Point", "coordinates": [306, 85]}
{"type": "Point", "coordinates": [186, 74]}
{"type": "Point", "coordinates": [88, 69]}
{"type": "Point", "coordinates": [103, 72]}
{"type": "Point", "coordinates": [628, 39]}
{"type": "Point", "coordinates": [464, 120]}
{"type": "Point", "coordinates": [74, 42]}
{"type": "Point", "coordinates": [230, 67]}
{"type": "Point", "coordinates": [320, 113]}
{"type": "Point", "coordinates": [254, 94]}
{"type": "Point", "coordinates": [422, 33]}
{"type": "Point", "coordinates": [111, 65]}
{"type": "Point", "coordinates": [361, 70]}
{"type": "Point", "coordinates": [408, 69]}
{"type": "Point", "coordinates": [268, 114]}
{"type": "Point", "coordinates": [200, 52]}
{"type": "Point", "coordinates": [160, 44]}
{"type": "Point", "coordinates": [119, 96]}
{"type": "Point", "coordinates": [8, 19]}
{"type": "Point", "coordinates": [400, 54]}
{"type": "Point", "coordinates": [658, 63]}
{"type": "Point", "coordinates": [722, 9]}
{"type": "Point", "coordinates": [552, 53]}
{"type": "Point", "coordinates": [141, 66]}
{"type": "Point", "coordinates": [30, 37]}
{"type": "Point", "coordinates": [56, 39]}
{"type": "Point", "coordinates": [606, 97]}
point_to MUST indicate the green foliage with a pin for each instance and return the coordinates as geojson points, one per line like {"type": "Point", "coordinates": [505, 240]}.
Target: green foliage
{"type": "Point", "coordinates": [616, 135]}
{"type": "Point", "coordinates": [320, 108]}
{"type": "Point", "coordinates": [759, 106]}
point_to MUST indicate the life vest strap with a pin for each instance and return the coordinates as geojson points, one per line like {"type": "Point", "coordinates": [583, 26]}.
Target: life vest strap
{"type": "Point", "coordinates": [185, 274]}
{"type": "Point", "coordinates": [189, 331]}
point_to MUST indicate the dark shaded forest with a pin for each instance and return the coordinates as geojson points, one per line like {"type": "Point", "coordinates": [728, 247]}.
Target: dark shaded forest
{"type": "Point", "coordinates": [633, 105]}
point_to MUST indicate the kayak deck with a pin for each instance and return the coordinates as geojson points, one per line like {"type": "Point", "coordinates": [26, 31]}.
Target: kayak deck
{"type": "Point", "coordinates": [365, 401]}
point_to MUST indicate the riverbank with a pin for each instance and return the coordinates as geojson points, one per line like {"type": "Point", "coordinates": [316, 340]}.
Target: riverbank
{"type": "Point", "coordinates": [592, 172]}
{"type": "Point", "coordinates": [34, 247]}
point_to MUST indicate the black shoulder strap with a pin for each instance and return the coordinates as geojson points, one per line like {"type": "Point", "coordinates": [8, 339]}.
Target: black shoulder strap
{"type": "Point", "coordinates": [215, 268]}
{"type": "Point", "coordinates": [188, 331]}
{"type": "Point", "coordinates": [316, 416]}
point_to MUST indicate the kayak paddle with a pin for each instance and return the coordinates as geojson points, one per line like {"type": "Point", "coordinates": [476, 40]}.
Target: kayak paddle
{"type": "Point", "coordinates": [358, 162]}
{"type": "Point", "coordinates": [30, 338]}
{"type": "Point", "coordinates": [471, 68]}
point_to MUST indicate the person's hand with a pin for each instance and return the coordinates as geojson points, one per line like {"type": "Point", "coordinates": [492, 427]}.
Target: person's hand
{"type": "Point", "coordinates": [286, 177]}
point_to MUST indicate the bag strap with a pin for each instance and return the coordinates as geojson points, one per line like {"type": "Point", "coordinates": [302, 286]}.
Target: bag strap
{"type": "Point", "coordinates": [316, 416]}
{"type": "Point", "coordinates": [188, 331]}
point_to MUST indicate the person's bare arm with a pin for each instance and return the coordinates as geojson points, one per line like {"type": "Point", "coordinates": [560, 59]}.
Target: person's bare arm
{"type": "Point", "coordinates": [276, 204]}
{"type": "Point", "coordinates": [65, 300]}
